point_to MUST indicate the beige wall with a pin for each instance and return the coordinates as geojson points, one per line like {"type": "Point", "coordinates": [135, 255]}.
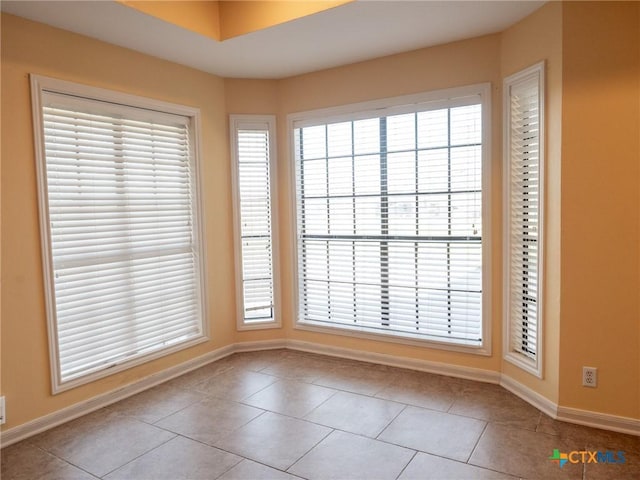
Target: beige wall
{"type": "Point", "coordinates": [600, 188]}
{"type": "Point", "coordinates": [456, 64]}
{"type": "Point", "coordinates": [592, 234]}
{"type": "Point", "coordinates": [29, 47]}
{"type": "Point", "coordinates": [539, 38]}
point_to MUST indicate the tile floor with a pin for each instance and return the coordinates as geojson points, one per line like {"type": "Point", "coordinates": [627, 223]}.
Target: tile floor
{"type": "Point", "coordinates": [282, 414]}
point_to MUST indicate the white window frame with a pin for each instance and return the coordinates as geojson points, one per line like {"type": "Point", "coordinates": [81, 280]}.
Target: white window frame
{"type": "Point", "coordinates": [261, 123]}
{"type": "Point", "coordinates": [533, 366]}
{"type": "Point", "coordinates": [397, 105]}
{"type": "Point", "coordinates": [40, 85]}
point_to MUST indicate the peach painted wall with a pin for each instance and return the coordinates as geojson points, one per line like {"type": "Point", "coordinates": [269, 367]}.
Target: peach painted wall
{"type": "Point", "coordinates": [199, 16]}
{"type": "Point", "coordinates": [592, 263]}
{"type": "Point", "coordinates": [456, 64]}
{"type": "Point", "coordinates": [29, 47]}
{"type": "Point", "coordinates": [600, 208]}
{"type": "Point", "coordinates": [239, 18]}
{"type": "Point", "coordinates": [539, 38]}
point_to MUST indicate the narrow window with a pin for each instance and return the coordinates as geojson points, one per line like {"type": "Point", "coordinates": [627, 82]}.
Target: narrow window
{"type": "Point", "coordinates": [253, 158]}
{"type": "Point", "coordinates": [390, 218]}
{"type": "Point", "coordinates": [120, 224]}
{"type": "Point", "coordinates": [523, 218]}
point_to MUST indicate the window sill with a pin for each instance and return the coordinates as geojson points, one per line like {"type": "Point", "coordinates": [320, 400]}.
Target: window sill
{"type": "Point", "coordinates": [258, 326]}
{"type": "Point", "coordinates": [406, 339]}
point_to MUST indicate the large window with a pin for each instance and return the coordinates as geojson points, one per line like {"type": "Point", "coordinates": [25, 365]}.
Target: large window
{"type": "Point", "coordinates": [253, 158]}
{"type": "Point", "coordinates": [389, 201]}
{"type": "Point", "coordinates": [120, 224]}
{"type": "Point", "coordinates": [523, 218]}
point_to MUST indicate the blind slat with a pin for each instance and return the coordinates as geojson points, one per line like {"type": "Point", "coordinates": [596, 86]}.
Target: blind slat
{"type": "Point", "coordinates": [360, 185]}
{"type": "Point", "coordinates": [121, 208]}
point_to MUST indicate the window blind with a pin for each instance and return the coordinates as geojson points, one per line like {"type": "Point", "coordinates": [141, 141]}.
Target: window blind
{"type": "Point", "coordinates": [390, 223]}
{"type": "Point", "coordinates": [253, 205]}
{"type": "Point", "coordinates": [124, 256]}
{"type": "Point", "coordinates": [523, 175]}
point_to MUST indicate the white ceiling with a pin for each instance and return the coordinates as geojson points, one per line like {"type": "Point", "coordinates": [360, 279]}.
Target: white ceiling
{"type": "Point", "coordinates": [350, 33]}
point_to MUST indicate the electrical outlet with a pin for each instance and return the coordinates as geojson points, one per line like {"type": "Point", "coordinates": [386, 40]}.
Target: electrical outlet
{"type": "Point", "coordinates": [589, 377]}
{"type": "Point", "coordinates": [3, 415]}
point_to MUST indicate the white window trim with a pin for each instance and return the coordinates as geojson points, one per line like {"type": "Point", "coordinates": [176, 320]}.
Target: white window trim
{"type": "Point", "coordinates": [393, 106]}
{"type": "Point", "coordinates": [259, 122]}
{"type": "Point", "coordinates": [534, 367]}
{"type": "Point", "coordinates": [38, 85]}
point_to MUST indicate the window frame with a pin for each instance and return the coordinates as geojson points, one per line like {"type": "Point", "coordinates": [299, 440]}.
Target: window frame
{"type": "Point", "coordinates": [442, 98]}
{"type": "Point", "coordinates": [257, 122]}
{"type": "Point", "coordinates": [40, 84]}
{"type": "Point", "coordinates": [532, 366]}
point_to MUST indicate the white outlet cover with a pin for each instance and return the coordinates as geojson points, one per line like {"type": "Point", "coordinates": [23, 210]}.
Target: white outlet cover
{"type": "Point", "coordinates": [589, 377]}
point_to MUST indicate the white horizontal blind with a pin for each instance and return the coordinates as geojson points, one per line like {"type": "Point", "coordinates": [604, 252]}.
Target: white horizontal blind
{"type": "Point", "coordinates": [120, 195]}
{"type": "Point", "coordinates": [254, 197]}
{"type": "Point", "coordinates": [390, 223]}
{"type": "Point", "coordinates": [523, 215]}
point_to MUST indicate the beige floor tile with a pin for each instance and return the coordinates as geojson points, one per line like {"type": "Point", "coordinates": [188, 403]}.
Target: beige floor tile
{"type": "Point", "coordinates": [24, 461]}
{"type": "Point", "coordinates": [523, 453]}
{"type": "Point", "coordinates": [344, 455]}
{"type": "Point", "coordinates": [235, 384]}
{"type": "Point", "coordinates": [301, 367]}
{"type": "Point", "coordinates": [254, 361]}
{"type": "Point", "coordinates": [430, 467]}
{"type": "Point", "coordinates": [178, 459]}
{"type": "Point", "coordinates": [209, 420]}
{"type": "Point", "coordinates": [102, 441]}
{"type": "Point", "coordinates": [356, 413]}
{"type": "Point", "coordinates": [423, 390]}
{"type": "Point", "coordinates": [274, 439]}
{"type": "Point", "coordinates": [249, 470]}
{"type": "Point", "coordinates": [191, 379]}
{"type": "Point", "coordinates": [620, 464]}
{"type": "Point", "coordinates": [354, 377]}
{"type": "Point", "coordinates": [450, 436]}
{"type": "Point", "coordinates": [290, 397]}
{"type": "Point", "coordinates": [493, 403]}
{"type": "Point", "coordinates": [601, 439]}
{"type": "Point", "coordinates": [203, 407]}
{"type": "Point", "coordinates": [156, 403]}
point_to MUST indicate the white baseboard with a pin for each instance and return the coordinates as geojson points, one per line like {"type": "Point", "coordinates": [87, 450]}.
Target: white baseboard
{"type": "Point", "coordinates": [588, 418]}
{"type": "Point", "coordinates": [571, 415]}
{"type": "Point", "coordinates": [458, 371]}
{"type": "Point", "coordinates": [530, 396]}
{"type": "Point", "coordinates": [259, 345]}
{"type": "Point", "coordinates": [605, 421]}
{"type": "Point", "coordinates": [46, 422]}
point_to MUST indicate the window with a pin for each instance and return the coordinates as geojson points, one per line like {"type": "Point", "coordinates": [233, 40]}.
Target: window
{"type": "Point", "coordinates": [253, 171]}
{"type": "Point", "coordinates": [120, 225]}
{"type": "Point", "coordinates": [523, 217]}
{"type": "Point", "coordinates": [389, 200]}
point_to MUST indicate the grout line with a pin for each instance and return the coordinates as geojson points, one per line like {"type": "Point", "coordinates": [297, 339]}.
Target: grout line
{"type": "Point", "coordinates": [307, 452]}
{"type": "Point", "coordinates": [63, 460]}
{"type": "Point", "coordinates": [391, 421]}
{"type": "Point", "coordinates": [141, 455]}
{"type": "Point", "coordinates": [476, 444]}
{"type": "Point", "coordinates": [415, 453]}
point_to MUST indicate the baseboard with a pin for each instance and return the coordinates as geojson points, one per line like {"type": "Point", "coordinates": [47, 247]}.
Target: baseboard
{"type": "Point", "coordinates": [46, 422]}
{"type": "Point", "coordinates": [605, 421]}
{"type": "Point", "coordinates": [458, 371]}
{"type": "Point", "coordinates": [259, 345]}
{"type": "Point", "coordinates": [566, 414]}
{"type": "Point", "coordinates": [530, 396]}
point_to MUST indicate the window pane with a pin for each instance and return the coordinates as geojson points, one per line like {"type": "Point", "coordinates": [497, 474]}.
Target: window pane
{"type": "Point", "coordinates": [124, 253]}
{"type": "Point", "coordinates": [401, 227]}
{"type": "Point", "coordinates": [252, 161]}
